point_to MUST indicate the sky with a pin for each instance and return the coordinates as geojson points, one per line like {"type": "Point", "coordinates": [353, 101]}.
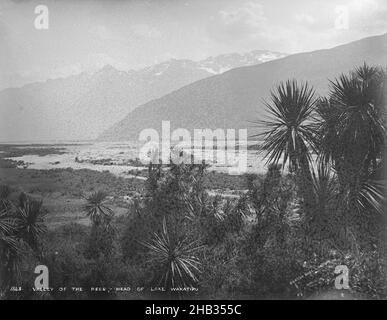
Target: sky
{"type": "Point", "coordinates": [85, 35]}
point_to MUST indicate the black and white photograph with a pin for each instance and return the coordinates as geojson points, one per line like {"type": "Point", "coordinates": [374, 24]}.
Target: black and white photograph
{"type": "Point", "coordinates": [193, 150]}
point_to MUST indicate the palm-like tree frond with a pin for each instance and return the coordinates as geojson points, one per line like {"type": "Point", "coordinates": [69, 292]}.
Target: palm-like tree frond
{"type": "Point", "coordinates": [324, 184]}
{"type": "Point", "coordinates": [178, 258]}
{"type": "Point", "coordinates": [289, 134]}
{"type": "Point", "coordinates": [353, 116]}
{"type": "Point", "coordinates": [372, 196]}
{"type": "Point", "coordinates": [31, 220]}
{"type": "Point", "coordinates": [10, 249]}
{"type": "Point", "coordinates": [7, 223]}
{"type": "Point", "coordinates": [7, 231]}
{"type": "Point", "coordinates": [96, 208]}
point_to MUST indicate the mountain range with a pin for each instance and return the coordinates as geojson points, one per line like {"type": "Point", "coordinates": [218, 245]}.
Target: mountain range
{"type": "Point", "coordinates": [234, 98]}
{"type": "Point", "coordinates": [83, 106]}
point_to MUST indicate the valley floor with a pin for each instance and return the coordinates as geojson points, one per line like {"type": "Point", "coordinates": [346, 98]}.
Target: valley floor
{"type": "Point", "coordinates": [63, 190]}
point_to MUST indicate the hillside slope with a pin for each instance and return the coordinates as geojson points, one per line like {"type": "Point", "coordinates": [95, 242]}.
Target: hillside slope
{"type": "Point", "coordinates": [83, 106]}
{"type": "Point", "coordinates": [232, 99]}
